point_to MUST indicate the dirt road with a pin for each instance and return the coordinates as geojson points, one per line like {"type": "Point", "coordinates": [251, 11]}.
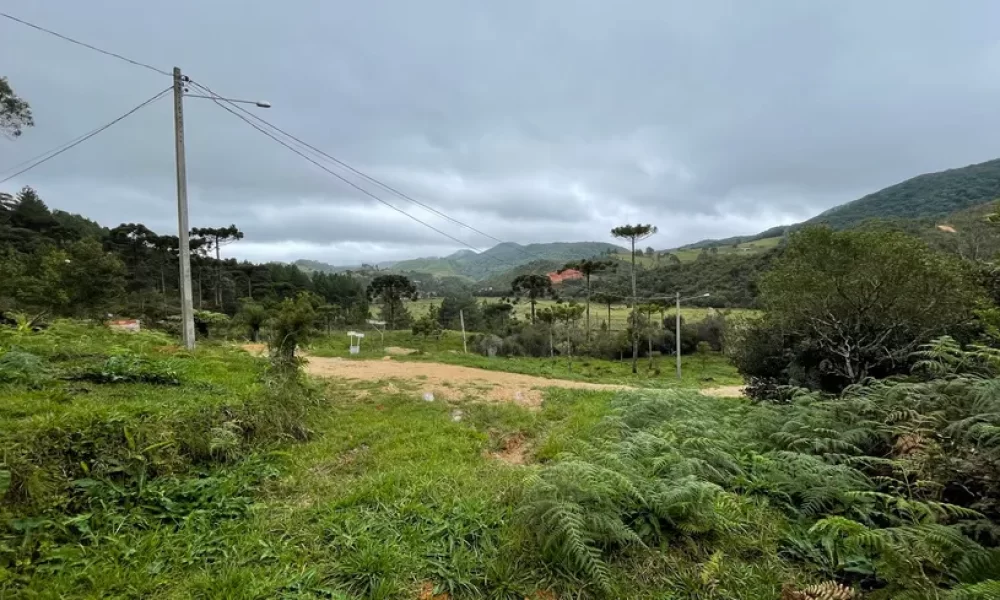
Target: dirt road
{"type": "Point", "coordinates": [450, 381]}
{"type": "Point", "coordinates": [453, 382]}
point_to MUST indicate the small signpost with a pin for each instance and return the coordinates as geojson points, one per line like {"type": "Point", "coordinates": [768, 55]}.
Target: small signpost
{"type": "Point", "coordinates": [355, 341]}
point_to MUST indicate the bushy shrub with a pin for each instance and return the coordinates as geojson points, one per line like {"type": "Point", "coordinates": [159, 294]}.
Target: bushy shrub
{"type": "Point", "coordinates": [610, 345]}
{"type": "Point", "coordinates": [290, 326]}
{"type": "Point", "coordinates": [488, 344]}
{"type": "Point", "coordinates": [22, 368]}
{"type": "Point", "coordinates": [712, 329]}
{"type": "Point", "coordinates": [129, 367]}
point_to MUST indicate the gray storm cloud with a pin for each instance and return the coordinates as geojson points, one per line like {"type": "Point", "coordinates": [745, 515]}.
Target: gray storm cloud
{"type": "Point", "coordinates": [533, 121]}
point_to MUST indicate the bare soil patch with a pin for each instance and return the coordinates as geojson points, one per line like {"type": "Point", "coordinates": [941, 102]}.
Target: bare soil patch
{"type": "Point", "coordinates": [724, 391]}
{"type": "Point", "coordinates": [514, 452]}
{"type": "Point", "coordinates": [450, 382]}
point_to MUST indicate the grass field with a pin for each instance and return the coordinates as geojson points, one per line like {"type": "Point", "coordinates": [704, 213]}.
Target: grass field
{"type": "Point", "coordinates": [598, 312]}
{"type": "Point", "coordinates": [691, 255]}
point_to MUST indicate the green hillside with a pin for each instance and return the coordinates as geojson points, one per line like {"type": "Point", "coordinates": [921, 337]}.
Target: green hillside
{"type": "Point", "coordinates": [928, 195]}
{"type": "Point", "coordinates": [504, 257]}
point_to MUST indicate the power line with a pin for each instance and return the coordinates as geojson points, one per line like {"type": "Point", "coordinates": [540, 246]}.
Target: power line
{"type": "Point", "coordinates": [220, 101]}
{"type": "Point", "coordinates": [84, 44]}
{"type": "Point", "coordinates": [47, 156]}
{"type": "Point", "coordinates": [365, 176]}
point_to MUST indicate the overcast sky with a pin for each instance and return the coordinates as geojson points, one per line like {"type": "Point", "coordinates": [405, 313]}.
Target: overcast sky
{"type": "Point", "coordinates": [532, 120]}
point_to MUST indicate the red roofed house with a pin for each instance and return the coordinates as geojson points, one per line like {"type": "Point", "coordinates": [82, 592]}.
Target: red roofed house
{"type": "Point", "coordinates": [568, 274]}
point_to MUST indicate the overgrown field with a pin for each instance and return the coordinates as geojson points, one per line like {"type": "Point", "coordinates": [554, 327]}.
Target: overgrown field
{"type": "Point", "coordinates": [598, 312]}
{"type": "Point", "coordinates": [699, 371]}
{"type": "Point", "coordinates": [207, 475]}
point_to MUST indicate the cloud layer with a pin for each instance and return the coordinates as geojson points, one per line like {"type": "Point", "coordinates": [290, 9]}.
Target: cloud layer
{"type": "Point", "coordinates": [532, 121]}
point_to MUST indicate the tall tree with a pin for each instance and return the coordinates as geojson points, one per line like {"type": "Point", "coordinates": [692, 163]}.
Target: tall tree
{"type": "Point", "coordinates": [607, 298]}
{"type": "Point", "coordinates": [588, 267]}
{"type": "Point", "coordinates": [15, 113]}
{"type": "Point", "coordinates": [860, 302]}
{"type": "Point", "coordinates": [634, 233]}
{"type": "Point", "coordinates": [391, 290]}
{"type": "Point", "coordinates": [216, 238]}
{"type": "Point", "coordinates": [532, 286]}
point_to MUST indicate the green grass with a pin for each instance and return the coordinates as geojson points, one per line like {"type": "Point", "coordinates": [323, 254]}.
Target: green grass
{"type": "Point", "coordinates": [391, 495]}
{"type": "Point", "coordinates": [377, 493]}
{"type": "Point", "coordinates": [709, 371]}
{"type": "Point", "coordinates": [118, 406]}
{"type": "Point", "coordinates": [598, 312]}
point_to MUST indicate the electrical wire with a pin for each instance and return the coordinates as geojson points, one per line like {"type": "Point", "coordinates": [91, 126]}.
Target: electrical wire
{"type": "Point", "coordinates": [85, 45]}
{"type": "Point", "coordinates": [369, 178]}
{"type": "Point", "coordinates": [297, 151]}
{"type": "Point", "coordinates": [49, 155]}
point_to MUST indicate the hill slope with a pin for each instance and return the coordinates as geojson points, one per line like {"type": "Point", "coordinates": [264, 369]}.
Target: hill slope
{"type": "Point", "coordinates": [930, 195]}
{"type": "Point", "coordinates": [503, 257]}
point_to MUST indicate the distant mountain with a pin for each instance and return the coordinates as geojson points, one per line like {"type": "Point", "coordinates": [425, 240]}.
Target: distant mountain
{"type": "Point", "coordinates": [503, 257]}
{"type": "Point", "coordinates": [932, 195]}
{"type": "Point", "coordinates": [315, 265]}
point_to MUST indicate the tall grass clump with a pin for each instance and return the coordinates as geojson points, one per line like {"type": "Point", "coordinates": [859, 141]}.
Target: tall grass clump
{"type": "Point", "coordinates": [101, 425]}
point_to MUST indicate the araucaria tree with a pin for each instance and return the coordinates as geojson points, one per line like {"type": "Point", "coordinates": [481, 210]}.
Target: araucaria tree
{"type": "Point", "coordinates": [533, 287]}
{"type": "Point", "coordinates": [391, 290]}
{"type": "Point", "coordinates": [15, 113]}
{"type": "Point", "coordinates": [216, 237]}
{"type": "Point", "coordinates": [588, 267]}
{"type": "Point", "coordinates": [634, 233]}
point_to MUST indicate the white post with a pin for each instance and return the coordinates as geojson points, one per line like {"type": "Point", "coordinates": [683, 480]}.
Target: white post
{"type": "Point", "coordinates": [461, 318]}
{"type": "Point", "coordinates": [184, 249]}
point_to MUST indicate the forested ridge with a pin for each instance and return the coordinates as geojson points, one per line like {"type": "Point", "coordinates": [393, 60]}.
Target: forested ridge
{"type": "Point", "coordinates": [65, 264]}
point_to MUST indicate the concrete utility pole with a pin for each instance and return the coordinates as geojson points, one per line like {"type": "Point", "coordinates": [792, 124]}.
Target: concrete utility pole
{"type": "Point", "coordinates": [677, 335]}
{"type": "Point", "coordinates": [184, 248]}
{"type": "Point", "coordinates": [677, 330]}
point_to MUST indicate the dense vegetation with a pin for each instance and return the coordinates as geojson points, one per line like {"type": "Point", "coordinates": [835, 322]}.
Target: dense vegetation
{"type": "Point", "coordinates": [66, 265]}
{"type": "Point", "coordinates": [845, 306]}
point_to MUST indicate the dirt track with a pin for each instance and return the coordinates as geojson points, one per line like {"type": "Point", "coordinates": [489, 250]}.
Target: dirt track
{"type": "Point", "coordinates": [450, 381]}
{"type": "Point", "coordinates": [453, 382]}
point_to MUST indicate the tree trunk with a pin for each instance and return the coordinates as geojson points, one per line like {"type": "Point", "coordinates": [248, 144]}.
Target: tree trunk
{"type": "Point", "coordinates": [588, 307]}
{"type": "Point", "coordinates": [650, 339]}
{"type": "Point", "coordinates": [218, 275]}
{"type": "Point", "coordinates": [532, 300]}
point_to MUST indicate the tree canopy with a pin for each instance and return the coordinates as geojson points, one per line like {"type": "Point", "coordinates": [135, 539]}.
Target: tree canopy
{"type": "Point", "coordinates": [15, 113]}
{"type": "Point", "coordinates": [854, 304]}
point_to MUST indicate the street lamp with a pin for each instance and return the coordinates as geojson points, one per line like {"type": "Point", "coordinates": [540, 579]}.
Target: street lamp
{"type": "Point", "coordinates": [677, 332]}
{"type": "Point", "coordinates": [187, 302]}
{"type": "Point", "coordinates": [257, 103]}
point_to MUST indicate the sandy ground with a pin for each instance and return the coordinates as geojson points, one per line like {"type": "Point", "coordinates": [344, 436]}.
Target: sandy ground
{"type": "Point", "coordinates": [450, 382]}
{"type": "Point", "coordinates": [724, 391]}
